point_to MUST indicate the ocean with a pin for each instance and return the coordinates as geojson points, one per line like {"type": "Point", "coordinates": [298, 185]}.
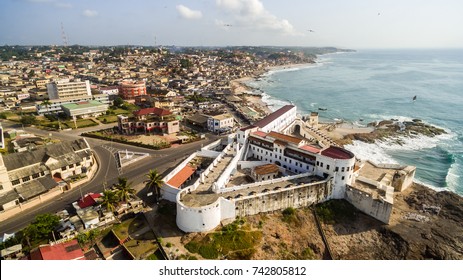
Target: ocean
{"type": "Point", "coordinates": [372, 85]}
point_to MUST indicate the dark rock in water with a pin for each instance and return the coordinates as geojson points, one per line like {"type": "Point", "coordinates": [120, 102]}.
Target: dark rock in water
{"type": "Point", "coordinates": [417, 120]}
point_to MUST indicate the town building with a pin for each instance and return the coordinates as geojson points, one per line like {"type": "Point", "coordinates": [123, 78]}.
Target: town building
{"type": "Point", "coordinates": [149, 120]}
{"type": "Point", "coordinates": [130, 89]}
{"type": "Point", "coordinates": [69, 89]}
{"type": "Point", "coordinates": [220, 123]}
{"type": "Point", "coordinates": [26, 175]}
{"type": "Point", "coordinates": [69, 250]}
{"type": "Point", "coordinates": [85, 109]}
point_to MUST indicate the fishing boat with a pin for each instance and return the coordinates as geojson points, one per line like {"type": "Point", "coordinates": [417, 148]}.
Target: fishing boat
{"type": "Point", "coordinates": [322, 109]}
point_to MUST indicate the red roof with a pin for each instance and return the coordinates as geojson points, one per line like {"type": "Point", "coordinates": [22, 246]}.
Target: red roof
{"type": "Point", "coordinates": [337, 153]}
{"type": "Point", "coordinates": [273, 116]}
{"type": "Point", "coordinates": [310, 149]}
{"type": "Point", "coordinates": [260, 133]}
{"type": "Point", "coordinates": [64, 251]}
{"type": "Point", "coordinates": [152, 111]}
{"type": "Point", "coordinates": [88, 200]}
{"type": "Point", "coordinates": [181, 176]}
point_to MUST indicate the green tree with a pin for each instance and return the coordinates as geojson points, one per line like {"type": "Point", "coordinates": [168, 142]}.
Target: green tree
{"type": "Point", "coordinates": [28, 120]}
{"type": "Point", "coordinates": [41, 228]}
{"type": "Point", "coordinates": [118, 102]}
{"type": "Point", "coordinates": [124, 189]}
{"type": "Point", "coordinates": [154, 182]}
{"type": "Point", "coordinates": [109, 200]}
{"type": "Point", "coordinates": [46, 103]}
{"type": "Point", "coordinates": [82, 238]}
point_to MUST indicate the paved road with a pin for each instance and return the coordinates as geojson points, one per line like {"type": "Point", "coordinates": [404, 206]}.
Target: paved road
{"type": "Point", "coordinates": [107, 174]}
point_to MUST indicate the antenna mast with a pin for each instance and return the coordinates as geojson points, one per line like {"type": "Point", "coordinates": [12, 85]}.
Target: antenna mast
{"type": "Point", "coordinates": [63, 35]}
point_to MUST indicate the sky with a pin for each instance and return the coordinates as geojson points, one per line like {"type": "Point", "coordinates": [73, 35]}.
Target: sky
{"type": "Point", "coordinates": [357, 24]}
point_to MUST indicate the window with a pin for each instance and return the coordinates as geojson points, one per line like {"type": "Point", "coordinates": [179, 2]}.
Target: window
{"type": "Point", "coordinates": [318, 163]}
{"type": "Point", "coordinates": [15, 182]}
{"type": "Point", "coordinates": [327, 167]}
{"type": "Point", "coordinates": [27, 178]}
{"type": "Point", "coordinates": [342, 178]}
{"type": "Point", "coordinates": [71, 165]}
{"type": "Point", "coordinates": [336, 169]}
{"type": "Point", "coordinates": [36, 175]}
{"type": "Point", "coordinates": [347, 168]}
{"type": "Point", "coordinates": [1, 187]}
{"type": "Point", "coordinates": [42, 173]}
{"type": "Point", "coordinates": [63, 168]}
{"type": "Point", "coordinates": [321, 164]}
{"type": "Point", "coordinates": [342, 169]}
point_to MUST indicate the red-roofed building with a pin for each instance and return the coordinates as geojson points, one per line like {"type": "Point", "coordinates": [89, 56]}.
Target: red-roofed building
{"type": "Point", "coordinates": [181, 177]}
{"type": "Point", "coordinates": [337, 153]}
{"type": "Point", "coordinates": [64, 251]}
{"type": "Point", "coordinates": [88, 200]}
{"type": "Point", "coordinates": [149, 120]}
{"type": "Point", "coordinates": [142, 114]}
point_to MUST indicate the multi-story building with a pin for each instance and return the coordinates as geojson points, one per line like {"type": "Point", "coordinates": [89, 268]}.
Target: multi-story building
{"type": "Point", "coordinates": [130, 89]}
{"type": "Point", "coordinates": [149, 120]}
{"type": "Point", "coordinates": [85, 109]}
{"type": "Point", "coordinates": [64, 92]}
{"type": "Point", "coordinates": [69, 90]}
{"type": "Point", "coordinates": [220, 123]}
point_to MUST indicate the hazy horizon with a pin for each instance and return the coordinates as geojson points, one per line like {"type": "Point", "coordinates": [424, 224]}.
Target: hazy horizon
{"type": "Point", "coordinates": [355, 24]}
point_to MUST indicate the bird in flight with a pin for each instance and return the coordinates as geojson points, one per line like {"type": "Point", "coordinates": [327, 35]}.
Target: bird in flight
{"type": "Point", "coordinates": [379, 14]}
{"type": "Point", "coordinates": [228, 25]}
{"type": "Point", "coordinates": [310, 30]}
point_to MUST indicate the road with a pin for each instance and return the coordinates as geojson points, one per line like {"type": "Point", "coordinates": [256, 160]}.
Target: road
{"type": "Point", "coordinates": [107, 174]}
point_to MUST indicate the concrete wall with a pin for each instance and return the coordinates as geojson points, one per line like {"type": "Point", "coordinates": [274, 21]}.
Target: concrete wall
{"type": "Point", "coordinates": [378, 209]}
{"type": "Point", "coordinates": [295, 196]}
{"type": "Point", "coordinates": [198, 219]}
{"type": "Point", "coordinates": [231, 168]}
{"type": "Point", "coordinates": [206, 218]}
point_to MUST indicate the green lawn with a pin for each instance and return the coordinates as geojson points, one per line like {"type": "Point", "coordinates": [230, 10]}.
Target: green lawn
{"type": "Point", "coordinates": [80, 123]}
{"type": "Point", "coordinates": [109, 119]}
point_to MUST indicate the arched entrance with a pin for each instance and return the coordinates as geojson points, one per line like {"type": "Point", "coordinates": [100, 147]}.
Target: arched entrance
{"type": "Point", "coordinates": [297, 129]}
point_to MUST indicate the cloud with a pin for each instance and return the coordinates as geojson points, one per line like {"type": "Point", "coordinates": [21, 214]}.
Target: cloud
{"type": "Point", "coordinates": [253, 15]}
{"type": "Point", "coordinates": [188, 13]}
{"type": "Point", "coordinates": [89, 13]}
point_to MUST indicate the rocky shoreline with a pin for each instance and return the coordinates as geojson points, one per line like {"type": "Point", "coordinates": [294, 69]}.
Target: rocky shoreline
{"type": "Point", "coordinates": [393, 129]}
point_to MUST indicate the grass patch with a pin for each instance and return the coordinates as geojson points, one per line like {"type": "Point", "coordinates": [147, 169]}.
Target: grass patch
{"type": "Point", "coordinates": [289, 216]}
{"type": "Point", "coordinates": [335, 211]}
{"type": "Point", "coordinates": [80, 123]}
{"type": "Point", "coordinates": [232, 241]}
{"type": "Point", "coordinates": [107, 119]}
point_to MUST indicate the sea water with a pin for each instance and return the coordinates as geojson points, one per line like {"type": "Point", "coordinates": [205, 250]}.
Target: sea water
{"type": "Point", "coordinates": [372, 85]}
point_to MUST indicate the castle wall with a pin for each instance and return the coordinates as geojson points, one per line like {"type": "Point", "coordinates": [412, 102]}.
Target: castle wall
{"type": "Point", "coordinates": [377, 208]}
{"type": "Point", "coordinates": [295, 196]}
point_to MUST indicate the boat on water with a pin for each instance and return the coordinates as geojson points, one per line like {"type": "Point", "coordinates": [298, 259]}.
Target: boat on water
{"type": "Point", "coordinates": [322, 109]}
{"type": "Point", "coordinates": [414, 98]}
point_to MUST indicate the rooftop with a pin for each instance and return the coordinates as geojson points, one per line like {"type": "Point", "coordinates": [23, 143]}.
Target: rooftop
{"type": "Point", "coordinates": [181, 176]}
{"type": "Point", "coordinates": [82, 105]}
{"type": "Point", "coordinates": [285, 138]}
{"type": "Point", "coordinates": [337, 153]}
{"type": "Point", "coordinates": [152, 111]}
{"type": "Point", "coordinates": [273, 116]}
{"type": "Point", "coordinates": [266, 169]}
{"type": "Point", "coordinates": [64, 251]}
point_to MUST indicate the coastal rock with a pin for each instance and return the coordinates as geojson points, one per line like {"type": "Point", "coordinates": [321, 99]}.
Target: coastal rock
{"type": "Point", "coordinates": [389, 129]}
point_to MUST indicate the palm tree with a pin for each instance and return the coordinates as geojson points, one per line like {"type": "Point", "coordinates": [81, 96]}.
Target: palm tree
{"type": "Point", "coordinates": [109, 200]}
{"type": "Point", "coordinates": [46, 103]}
{"type": "Point", "coordinates": [154, 182]}
{"type": "Point", "coordinates": [124, 189]}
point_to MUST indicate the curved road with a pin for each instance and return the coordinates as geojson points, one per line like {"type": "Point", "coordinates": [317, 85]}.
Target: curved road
{"type": "Point", "coordinates": [162, 160]}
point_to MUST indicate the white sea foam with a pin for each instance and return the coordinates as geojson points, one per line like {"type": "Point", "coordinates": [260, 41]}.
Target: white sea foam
{"type": "Point", "coordinates": [370, 151]}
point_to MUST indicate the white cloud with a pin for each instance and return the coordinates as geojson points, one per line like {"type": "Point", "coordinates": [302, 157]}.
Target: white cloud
{"type": "Point", "coordinates": [188, 13]}
{"type": "Point", "coordinates": [252, 14]}
{"type": "Point", "coordinates": [89, 13]}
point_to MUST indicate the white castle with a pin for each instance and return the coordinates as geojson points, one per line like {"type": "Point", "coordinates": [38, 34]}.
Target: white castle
{"type": "Point", "coordinates": [279, 162]}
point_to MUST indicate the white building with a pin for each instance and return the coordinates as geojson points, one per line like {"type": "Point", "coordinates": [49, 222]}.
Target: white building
{"type": "Point", "coordinates": [220, 123]}
{"type": "Point", "coordinates": [67, 89]}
